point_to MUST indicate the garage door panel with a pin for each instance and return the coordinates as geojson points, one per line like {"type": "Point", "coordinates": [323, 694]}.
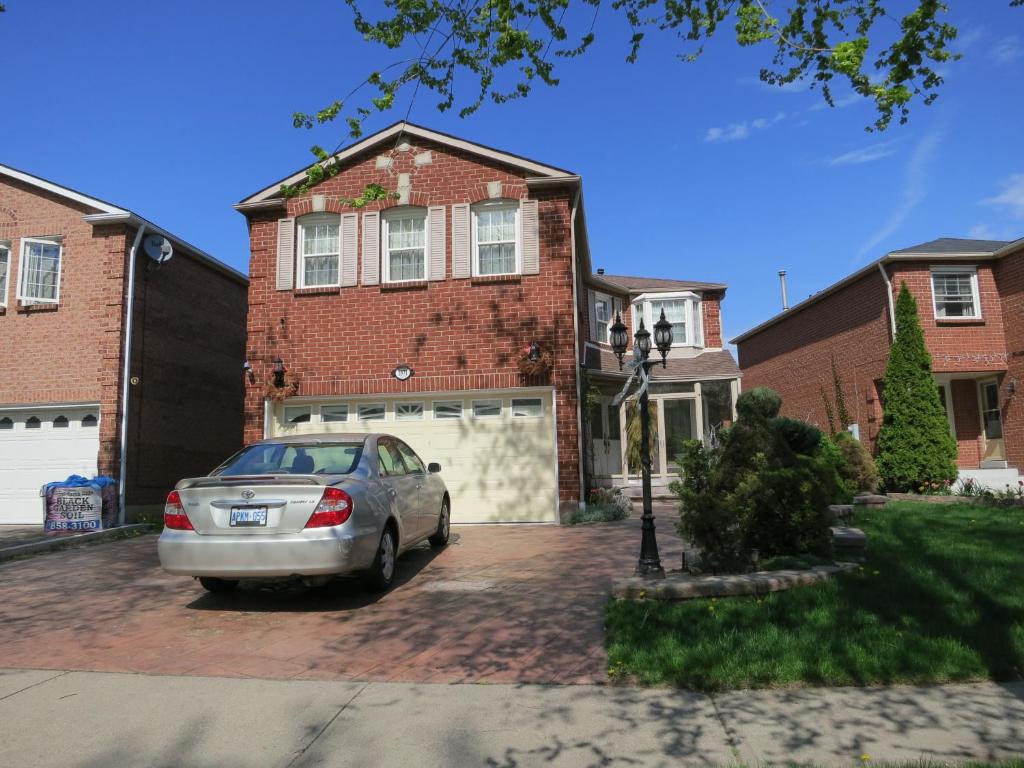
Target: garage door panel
{"type": "Point", "coordinates": [497, 469]}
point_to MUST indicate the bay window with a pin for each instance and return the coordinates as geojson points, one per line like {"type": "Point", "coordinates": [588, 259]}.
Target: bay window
{"type": "Point", "coordinates": [39, 271]}
{"type": "Point", "coordinates": [319, 250]}
{"type": "Point", "coordinates": [683, 310]}
{"type": "Point", "coordinates": [405, 245]}
{"type": "Point", "coordinates": [496, 238]}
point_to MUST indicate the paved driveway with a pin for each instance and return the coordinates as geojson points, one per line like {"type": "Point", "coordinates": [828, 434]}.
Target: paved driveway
{"type": "Point", "coordinates": [500, 604]}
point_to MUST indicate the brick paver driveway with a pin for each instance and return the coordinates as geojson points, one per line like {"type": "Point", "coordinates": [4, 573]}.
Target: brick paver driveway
{"type": "Point", "coordinates": [500, 603]}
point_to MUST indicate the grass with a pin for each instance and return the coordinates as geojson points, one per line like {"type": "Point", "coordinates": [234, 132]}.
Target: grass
{"type": "Point", "coordinates": [939, 598]}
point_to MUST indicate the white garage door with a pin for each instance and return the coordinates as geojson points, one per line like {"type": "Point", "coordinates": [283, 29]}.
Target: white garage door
{"type": "Point", "coordinates": [41, 446]}
{"type": "Point", "coordinates": [496, 448]}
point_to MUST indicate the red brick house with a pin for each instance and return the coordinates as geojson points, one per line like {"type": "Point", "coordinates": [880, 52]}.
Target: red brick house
{"type": "Point", "coordinates": [414, 315]}
{"type": "Point", "coordinates": [65, 326]}
{"type": "Point", "coordinates": [970, 297]}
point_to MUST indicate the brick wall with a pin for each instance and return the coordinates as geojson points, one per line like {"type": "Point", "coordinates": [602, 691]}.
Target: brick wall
{"type": "Point", "coordinates": [1009, 272]}
{"type": "Point", "coordinates": [711, 312]}
{"type": "Point", "coordinates": [967, 421]}
{"type": "Point", "coordinates": [455, 334]}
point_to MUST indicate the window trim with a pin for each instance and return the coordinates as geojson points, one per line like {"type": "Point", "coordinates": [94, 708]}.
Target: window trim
{"type": "Point", "coordinates": [512, 408]}
{"type": "Point", "coordinates": [23, 273]}
{"type": "Point", "coordinates": [435, 403]}
{"type": "Point", "coordinates": [383, 408]}
{"type": "Point", "coordinates": [397, 214]}
{"type": "Point", "coordinates": [604, 332]}
{"type": "Point", "coordinates": [418, 417]}
{"type": "Point", "coordinates": [970, 269]}
{"type": "Point", "coordinates": [474, 255]}
{"type": "Point", "coordinates": [694, 320]}
{"type": "Point", "coordinates": [5, 246]}
{"type": "Point", "coordinates": [348, 412]}
{"type": "Point", "coordinates": [498, 415]}
{"type": "Point", "coordinates": [300, 252]}
{"type": "Point", "coordinates": [286, 422]}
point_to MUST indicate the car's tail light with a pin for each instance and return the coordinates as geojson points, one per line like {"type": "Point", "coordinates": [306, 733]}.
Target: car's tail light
{"type": "Point", "coordinates": [174, 514]}
{"type": "Point", "coordinates": [334, 509]}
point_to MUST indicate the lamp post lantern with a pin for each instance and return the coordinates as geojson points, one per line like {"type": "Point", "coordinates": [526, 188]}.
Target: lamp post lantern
{"type": "Point", "coordinates": [649, 563]}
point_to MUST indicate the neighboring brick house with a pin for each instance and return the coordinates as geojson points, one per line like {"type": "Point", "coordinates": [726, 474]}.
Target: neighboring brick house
{"type": "Point", "coordinates": [970, 297]}
{"type": "Point", "coordinates": [64, 259]}
{"type": "Point", "coordinates": [411, 315]}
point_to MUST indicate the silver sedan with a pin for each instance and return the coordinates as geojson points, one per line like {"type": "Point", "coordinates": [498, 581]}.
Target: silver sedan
{"type": "Point", "coordinates": [309, 506]}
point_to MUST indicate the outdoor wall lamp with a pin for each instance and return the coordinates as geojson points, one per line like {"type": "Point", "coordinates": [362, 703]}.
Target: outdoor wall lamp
{"type": "Point", "coordinates": [279, 371]}
{"type": "Point", "coordinates": [534, 354]}
{"type": "Point", "coordinates": [1012, 386]}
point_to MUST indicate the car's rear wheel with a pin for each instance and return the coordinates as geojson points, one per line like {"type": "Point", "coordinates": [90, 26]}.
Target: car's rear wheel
{"type": "Point", "coordinates": [211, 584]}
{"type": "Point", "coordinates": [444, 526]}
{"type": "Point", "coordinates": [383, 571]}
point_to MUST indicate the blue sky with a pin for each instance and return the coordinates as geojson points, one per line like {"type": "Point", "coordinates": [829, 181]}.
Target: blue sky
{"type": "Point", "coordinates": [691, 170]}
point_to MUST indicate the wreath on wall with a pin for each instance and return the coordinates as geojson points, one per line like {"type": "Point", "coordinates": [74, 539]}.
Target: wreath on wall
{"type": "Point", "coordinates": [535, 363]}
{"type": "Point", "coordinates": [274, 392]}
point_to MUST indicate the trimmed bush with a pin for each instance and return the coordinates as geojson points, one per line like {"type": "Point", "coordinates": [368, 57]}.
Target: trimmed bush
{"type": "Point", "coordinates": [858, 470]}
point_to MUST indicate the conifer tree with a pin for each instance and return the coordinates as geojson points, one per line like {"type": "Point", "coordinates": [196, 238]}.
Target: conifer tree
{"type": "Point", "coordinates": [916, 452]}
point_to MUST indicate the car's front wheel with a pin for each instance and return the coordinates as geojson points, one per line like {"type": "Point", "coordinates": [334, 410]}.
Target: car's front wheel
{"type": "Point", "coordinates": [444, 526]}
{"type": "Point", "coordinates": [383, 571]}
{"type": "Point", "coordinates": [211, 584]}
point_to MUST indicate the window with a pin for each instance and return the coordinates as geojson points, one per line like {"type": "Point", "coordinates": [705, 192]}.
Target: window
{"type": "Point", "coordinates": [405, 246]}
{"type": "Point", "coordinates": [33, 422]}
{"type": "Point", "coordinates": [495, 227]}
{"type": "Point", "coordinates": [297, 414]}
{"type": "Point", "coordinates": [604, 309]}
{"type": "Point", "coordinates": [6, 423]}
{"type": "Point", "coordinates": [89, 420]}
{"type": "Point", "coordinates": [448, 409]}
{"type": "Point", "coordinates": [390, 459]}
{"type": "Point", "coordinates": [486, 409]}
{"type": "Point", "coordinates": [408, 411]}
{"type": "Point", "coordinates": [300, 459]}
{"type": "Point", "coordinates": [39, 271]}
{"type": "Point", "coordinates": [526, 407]}
{"type": "Point", "coordinates": [5, 272]}
{"type": "Point", "coordinates": [412, 461]}
{"type": "Point", "coordinates": [61, 422]}
{"type": "Point", "coordinates": [330, 413]}
{"type": "Point", "coordinates": [319, 250]}
{"type": "Point", "coordinates": [955, 292]}
{"type": "Point", "coordinates": [371, 412]}
{"type": "Point", "coordinates": [683, 310]}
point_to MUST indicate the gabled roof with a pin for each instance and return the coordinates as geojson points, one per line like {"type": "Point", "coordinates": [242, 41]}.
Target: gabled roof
{"type": "Point", "coordinates": [942, 249]}
{"type": "Point", "coordinates": [403, 128]}
{"type": "Point", "coordinates": [108, 213]}
{"type": "Point", "coordinates": [633, 284]}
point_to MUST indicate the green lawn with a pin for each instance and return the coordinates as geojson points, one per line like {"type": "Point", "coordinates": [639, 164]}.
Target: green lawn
{"type": "Point", "coordinates": [940, 598]}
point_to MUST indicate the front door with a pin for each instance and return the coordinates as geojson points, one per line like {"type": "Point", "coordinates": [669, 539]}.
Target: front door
{"type": "Point", "coordinates": [605, 438]}
{"type": "Point", "coordinates": [992, 421]}
{"type": "Point", "coordinates": [680, 426]}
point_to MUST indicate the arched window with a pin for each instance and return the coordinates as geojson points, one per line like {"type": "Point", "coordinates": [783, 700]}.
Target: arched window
{"type": "Point", "coordinates": [33, 422]}
{"type": "Point", "coordinates": [61, 422]}
{"type": "Point", "coordinates": [6, 423]}
{"type": "Point", "coordinates": [89, 421]}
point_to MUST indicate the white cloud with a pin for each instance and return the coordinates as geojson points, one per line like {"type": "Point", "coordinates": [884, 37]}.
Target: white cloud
{"type": "Point", "coordinates": [1007, 50]}
{"type": "Point", "coordinates": [914, 191]}
{"type": "Point", "coordinates": [981, 232]}
{"type": "Point", "coordinates": [863, 155]}
{"type": "Point", "coordinates": [1012, 196]}
{"type": "Point", "coordinates": [968, 38]}
{"type": "Point", "coordinates": [740, 131]}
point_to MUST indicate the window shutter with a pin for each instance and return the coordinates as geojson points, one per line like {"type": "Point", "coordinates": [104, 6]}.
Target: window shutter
{"type": "Point", "coordinates": [349, 248]}
{"type": "Point", "coordinates": [531, 237]}
{"type": "Point", "coordinates": [285, 254]}
{"type": "Point", "coordinates": [698, 324]}
{"type": "Point", "coordinates": [592, 308]}
{"type": "Point", "coordinates": [436, 229]}
{"type": "Point", "coordinates": [371, 248]}
{"type": "Point", "coordinates": [461, 266]}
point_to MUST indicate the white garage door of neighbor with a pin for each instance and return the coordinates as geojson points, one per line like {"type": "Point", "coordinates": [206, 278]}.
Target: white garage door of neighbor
{"type": "Point", "coordinates": [496, 449]}
{"type": "Point", "coordinates": [42, 446]}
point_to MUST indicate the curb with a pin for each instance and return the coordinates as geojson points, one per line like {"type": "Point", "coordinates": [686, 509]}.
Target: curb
{"type": "Point", "coordinates": [53, 544]}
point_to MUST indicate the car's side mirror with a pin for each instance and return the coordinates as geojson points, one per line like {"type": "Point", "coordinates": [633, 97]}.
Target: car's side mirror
{"type": "Point", "coordinates": [433, 467]}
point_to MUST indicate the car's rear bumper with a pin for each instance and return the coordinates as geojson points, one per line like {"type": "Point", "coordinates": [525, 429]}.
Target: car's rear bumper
{"type": "Point", "coordinates": [310, 553]}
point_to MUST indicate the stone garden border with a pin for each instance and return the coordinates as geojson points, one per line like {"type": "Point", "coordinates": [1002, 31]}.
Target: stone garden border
{"type": "Point", "coordinates": [679, 586]}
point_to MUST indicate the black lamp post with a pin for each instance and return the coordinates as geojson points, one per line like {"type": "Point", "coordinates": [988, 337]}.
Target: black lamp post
{"type": "Point", "coordinates": [649, 563]}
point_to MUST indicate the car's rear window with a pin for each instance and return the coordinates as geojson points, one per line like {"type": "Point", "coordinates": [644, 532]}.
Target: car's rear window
{"type": "Point", "coordinates": [293, 459]}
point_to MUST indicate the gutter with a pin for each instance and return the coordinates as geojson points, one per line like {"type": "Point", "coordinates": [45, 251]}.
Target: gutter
{"type": "Point", "coordinates": [576, 339]}
{"type": "Point", "coordinates": [888, 295]}
{"type": "Point", "coordinates": [126, 378]}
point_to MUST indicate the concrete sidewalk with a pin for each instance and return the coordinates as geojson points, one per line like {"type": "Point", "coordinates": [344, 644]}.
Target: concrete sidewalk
{"type": "Point", "coordinates": [94, 719]}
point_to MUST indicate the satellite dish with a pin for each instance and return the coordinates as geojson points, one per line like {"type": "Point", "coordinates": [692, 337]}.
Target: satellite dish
{"type": "Point", "coordinates": [158, 248]}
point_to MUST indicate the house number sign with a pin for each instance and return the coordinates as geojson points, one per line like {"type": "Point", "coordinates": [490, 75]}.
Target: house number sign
{"type": "Point", "coordinates": [402, 373]}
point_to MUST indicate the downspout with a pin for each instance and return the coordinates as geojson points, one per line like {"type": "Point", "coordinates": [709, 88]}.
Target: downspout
{"type": "Point", "coordinates": [126, 377]}
{"type": "Point", "coordinates": [892, 306]}
{"type": "Point", "coordinates": [576, 338]}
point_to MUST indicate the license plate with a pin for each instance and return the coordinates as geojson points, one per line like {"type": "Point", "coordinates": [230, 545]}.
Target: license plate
{"type": "Point", "coordinates": [242, 516]}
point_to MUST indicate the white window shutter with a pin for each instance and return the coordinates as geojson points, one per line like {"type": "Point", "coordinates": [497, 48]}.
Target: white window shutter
{"type": "Point", "coordinates": [371, 248]}
{"type": "Point", "coordinates": [436, 242]}
{"type": "Point", "coordinates": [592, 306]}
{"type": "Point", "coordinates": [349, 248]}
{"type": "Point", "coordinates": [531, 237]}
{"type": "Point", "coordinates": [461, 265]}
{"type": "Point", "coordinates": [285, 254]}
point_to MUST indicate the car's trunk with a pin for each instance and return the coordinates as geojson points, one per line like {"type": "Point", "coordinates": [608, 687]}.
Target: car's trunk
{"type": "Point", "coordinates": [250, 505]}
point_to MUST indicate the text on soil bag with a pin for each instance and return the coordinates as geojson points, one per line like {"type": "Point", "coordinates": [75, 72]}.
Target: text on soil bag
{"type": "Point", "coordinates": [73, 509]}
